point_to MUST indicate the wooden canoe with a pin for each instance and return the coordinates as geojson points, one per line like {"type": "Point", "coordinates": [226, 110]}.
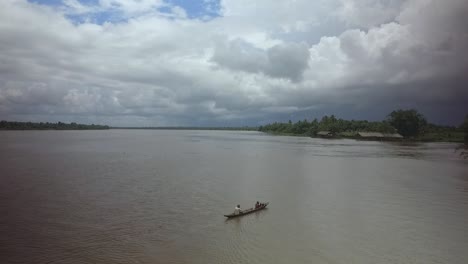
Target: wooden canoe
{"type": "Point", "coordinates": [247, 211]}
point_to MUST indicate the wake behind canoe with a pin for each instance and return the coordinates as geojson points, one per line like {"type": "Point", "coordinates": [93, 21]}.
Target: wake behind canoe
{"type": "Point", "coordinates": [247, 211]}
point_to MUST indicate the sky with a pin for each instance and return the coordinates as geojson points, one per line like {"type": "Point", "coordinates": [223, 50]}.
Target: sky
{"type": "Point", "coordinates": [231, 62]}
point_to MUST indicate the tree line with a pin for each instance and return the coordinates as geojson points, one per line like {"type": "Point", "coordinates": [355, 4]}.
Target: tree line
{"type": "Point", "coordinates": [464, 147]}
{"type": "Point", "coordinates": [408, 123]}
{"type": "Point", "coordinates": [327, 123]}
{"type": "Point", "coordinates": [7, 125]}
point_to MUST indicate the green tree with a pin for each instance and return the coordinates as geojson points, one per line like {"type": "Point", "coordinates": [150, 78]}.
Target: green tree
{"type": "Point", "coordinates": [464, 148]}
{"type": "Point", "coordinates": [313, 128]}
{"type": "Point", "coordinates": [409, 123]}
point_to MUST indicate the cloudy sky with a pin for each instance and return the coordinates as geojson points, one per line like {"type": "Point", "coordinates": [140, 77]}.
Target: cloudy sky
{"type": "Point", "coordinates": [231, 62]}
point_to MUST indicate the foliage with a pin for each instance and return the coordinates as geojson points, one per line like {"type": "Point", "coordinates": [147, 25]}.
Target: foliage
{"type": "Point", "coordinates": [464, 126]}
{"type": "Point", "coordinates": [434, 132]}
{"type": "Point", "coordinates": [409, 123]}
{"type": "Point", "coordinates": [464, 147]}
{"type": "Point", "coordinates": [6, 125]}
{"type": "Point", "coordinates": [327, 123]}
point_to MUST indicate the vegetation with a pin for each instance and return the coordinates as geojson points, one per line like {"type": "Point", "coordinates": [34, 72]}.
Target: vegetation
{"type": "Point", "coordinates": [441, 133]}
{"type": "Point", "coordinates": [6, 125]}
{"type": "Point", "coordinates": [409, 123]}
{"type": "Point", "coordinates": [327, 123]}
{"type": "Point", "coordinates": [464, 147]}
{"type": "Point", "coordinates": [465, 130]}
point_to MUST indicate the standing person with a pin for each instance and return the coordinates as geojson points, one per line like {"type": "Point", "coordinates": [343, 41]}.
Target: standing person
{"type": "Point", "coordinates": [237, 210]}
{"type": "Point", "coordinates": [257, 205]}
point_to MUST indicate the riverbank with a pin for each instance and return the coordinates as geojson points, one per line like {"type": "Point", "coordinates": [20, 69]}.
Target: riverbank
{"type": "Point", "coordinates": [452, 137]}
{"type": "Point", "coordinates": [13, 125]}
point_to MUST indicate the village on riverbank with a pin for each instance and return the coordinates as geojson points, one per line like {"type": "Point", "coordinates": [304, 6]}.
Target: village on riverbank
{"type": "Point", "coordinates": [362, 135]}
{"type": "Point", "coordinates": [400, 125]}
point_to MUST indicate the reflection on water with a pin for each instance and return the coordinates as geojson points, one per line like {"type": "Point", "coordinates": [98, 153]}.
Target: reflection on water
{"type": "Point", "coordinates": [145, 196]}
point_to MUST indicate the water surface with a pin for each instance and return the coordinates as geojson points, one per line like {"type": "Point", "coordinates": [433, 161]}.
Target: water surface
{"type": "Point", "coordinates": [149, 196]}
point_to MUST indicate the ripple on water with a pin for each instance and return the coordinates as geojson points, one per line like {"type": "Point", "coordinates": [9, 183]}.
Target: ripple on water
{"type": "Point", "coordinates": [159, 197]}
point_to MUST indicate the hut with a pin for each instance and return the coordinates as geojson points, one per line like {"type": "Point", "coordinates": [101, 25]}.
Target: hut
{"type": "Point", "coordinates": [325, 134]}
{"type": "Point", "coordinates": [393, 136]}
{"type": "Point", "coordinates": [379, 136]}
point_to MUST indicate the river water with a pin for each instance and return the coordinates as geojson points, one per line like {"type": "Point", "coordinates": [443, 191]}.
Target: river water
{"type": "Point", "coordinates": [158, 196]}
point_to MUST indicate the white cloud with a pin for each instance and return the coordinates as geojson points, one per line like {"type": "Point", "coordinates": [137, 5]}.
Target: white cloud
{"type": "Point", "coordinates": [131, 6]}
{"type": "Point", "coordinates": [74, 6]}
{"type": "Point", "coordinates": [258, 59]}
{"type": "Point", "coordinates": [368, 13]}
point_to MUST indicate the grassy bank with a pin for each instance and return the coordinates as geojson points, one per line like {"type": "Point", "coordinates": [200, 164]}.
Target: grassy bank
{"type": "Point", "coordinates": [457, 137]}
{"type": "Point", "coordinates": [452, 137]}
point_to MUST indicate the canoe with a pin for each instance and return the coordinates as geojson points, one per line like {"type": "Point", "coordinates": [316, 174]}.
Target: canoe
{"type": "Point", "coordinates": [247, 211]}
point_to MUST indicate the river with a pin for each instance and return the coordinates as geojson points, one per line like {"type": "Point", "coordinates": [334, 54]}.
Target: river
{"type": "Point", "coordinates": [158, 196]}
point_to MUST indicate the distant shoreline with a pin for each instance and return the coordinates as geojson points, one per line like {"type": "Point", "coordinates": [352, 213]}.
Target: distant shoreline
{"type": "Point", "coordinates": [422, 139]}
{"type": "Point", "coordinates": [130, 128]}
{"type": "Point", "coordinates": [192, 128]}
{"type": "Point", "coordinates": [443, 136]}
{"type": "Point", "coordinates": [13, 125]}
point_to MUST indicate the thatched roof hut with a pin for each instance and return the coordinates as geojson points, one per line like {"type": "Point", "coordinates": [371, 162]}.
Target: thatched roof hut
{"type": "Point", "coordinates": [379, 136]}
{"type": "Point", "coordinates": [325, 134]}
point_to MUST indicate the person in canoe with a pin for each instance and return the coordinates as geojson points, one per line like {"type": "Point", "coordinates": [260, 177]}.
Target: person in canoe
{"type": "Point", "coordinates": [257, 205]}
{"type": "Point", "coordinates": [237, 210]}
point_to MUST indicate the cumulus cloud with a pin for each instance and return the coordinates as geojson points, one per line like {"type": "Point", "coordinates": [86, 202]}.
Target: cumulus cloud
{"type": "Point", "coordinates": [368, 13]}
{"type": "Point", "coordinates": [256, 62]}
{"type": "Point", "coordinates": [288, 60]}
